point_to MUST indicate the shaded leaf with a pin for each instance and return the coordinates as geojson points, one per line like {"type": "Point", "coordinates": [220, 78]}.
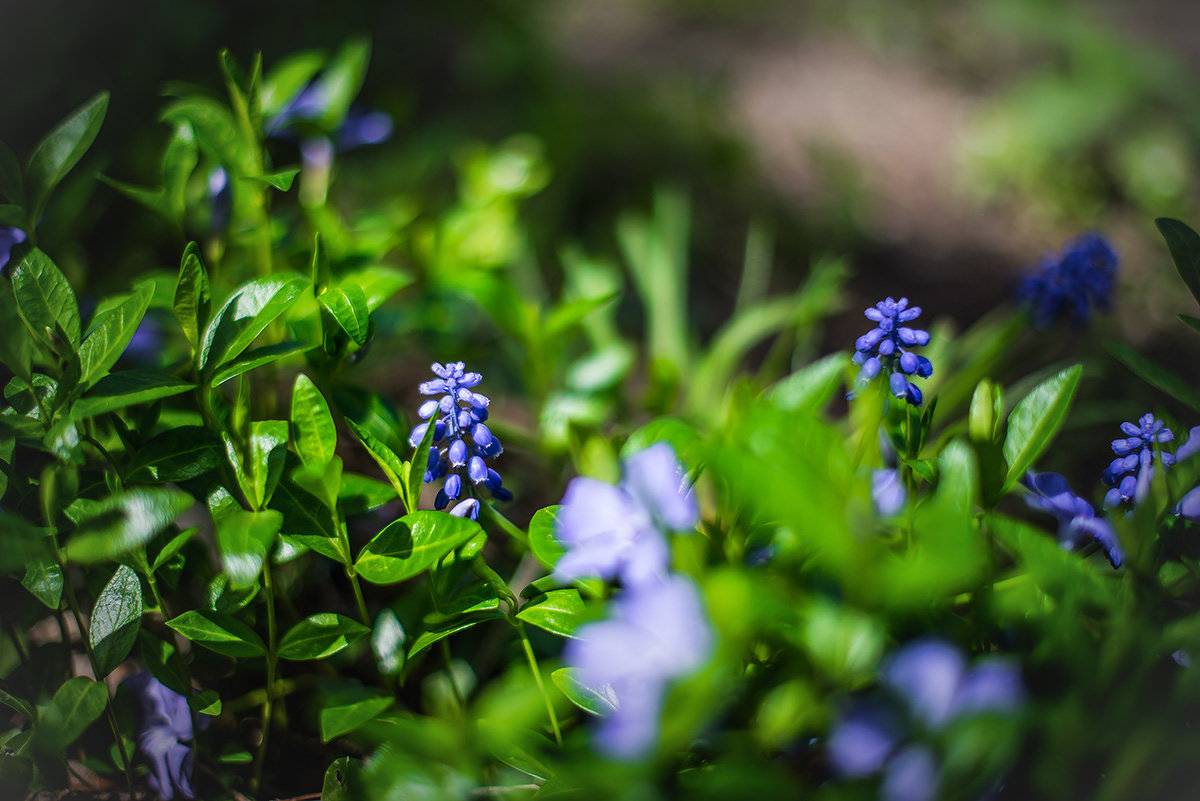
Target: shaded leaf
{"type": "Point", "coordinates": [127, 388]}
{"type": "Point", "coordinates": [46, 302]}
{"type": "Point", "coordinates": [193, 299]}
{"type": "Point", "coordinates": [255, 358]}
{"type": "Point", "coordinates": [217, 632]}
{"type": "Point", "coordinates": [125, 521]}
{"type": "Point", "coordinates": [75, 704]}
{"type": "Point", "coordinates": [115, 620]}
{"type": "Point", "coordinates": [348, 306]}
{"type": "Point", "coordinates": [344, 718]}
{"type": "Point", "coordinates": [411, 545]}
{"type": "Point", "coordinates": [244, 539]}
{"type": "Point", "coordinates": [248, 311]}
{"type": "Point", "coordinates": [61, 150]}
{"type": "Point", "coordinates": [320, 636]}
{"type": "Point", "coordinates": [44, 580]}
{"type": "Point", "coordinates": [1184, 244]}
{"type": "Point", "coordinates": [111, 332]}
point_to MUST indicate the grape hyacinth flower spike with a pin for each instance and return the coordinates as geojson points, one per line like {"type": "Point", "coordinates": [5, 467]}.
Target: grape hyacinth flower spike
{"type": "Point", "coordinates": [1071, 283]}
{"type": "Point", "coordinates": [882, 350]}
{"type": "Point", "coordinates": [1130, 473]}
{"type": "Point", "coordinates": [1077, 521]}
{"type": "Point", "coordinates": [461, 438]}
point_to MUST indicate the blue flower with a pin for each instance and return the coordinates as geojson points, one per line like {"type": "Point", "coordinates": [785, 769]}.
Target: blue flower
{"type": "Point", "coordinates": [658, 632]}
{"type": "Point", "coordinates": [1077, 521]}
{"type": "Point", "coordinates": [164, 725]}
{"type": "Point", "coordinates": [615, 532]}
{"type": "Point", "coordinates": [882, 349]}
{"type": "Point", "coordinates": [458, 416]}
{"type": "Point", "coordinates": [887, 492]}
{"type": "Point", "coordinates": [358, 128]}
{"type": "Point", "coordinates": [932, 685]}
{"type": "Point", "coordinates": [1130, 473]}
{"type": "Point", "coordinates": [9, 237]}
{"type": "Point", "coordinates": [1071, 283]}
{"type": "Point", "coordinates": [220, 198]}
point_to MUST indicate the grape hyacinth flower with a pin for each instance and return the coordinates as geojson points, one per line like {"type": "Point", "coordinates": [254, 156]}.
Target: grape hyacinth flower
{"type": "Point", "coordinates": [932, 686]}
{"type": "Point", "coordinates": [164, 726]}
{"type": "Point", "coordinates": [616, 532]}
{"type": "Point", "coordinates": [458, 418]}
{"type": "Point", "coordinates": [1130, 473]}
{"type": "Point", "coordinates": [1077, 521]}
{"type": "Point", "coordinates": [882, 349]}
{"type": "Point", "coordinates": [9, 237]}
{"type": "Point", "coordinates": [1074, 282]}
{"type": "Point", "coordinates": [658, 632]}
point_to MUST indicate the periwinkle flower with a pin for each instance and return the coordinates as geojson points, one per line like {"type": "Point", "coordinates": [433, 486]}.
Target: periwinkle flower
{"type": "Point", "coordinates": [888, 492]}
{"type": "Point", "coordinates": [9, 238]}
{"type": "Point", "coordinates": [658, 632]}
{"type": "Point", "coordinates": [164, 727]}
{"type": "Point", "coordinates": [360, 127]}
{"type": "Point", "coordinates": [882, 350]}
{"type": "Point", "coordinates": [1130, 473]}
{"type": "Point", "coordinates": [1071, 283]}
{"type": "Point", "coordinates": [458, 416]}
{"type": "Point", "coordinates": [616, 532]}
{"type": "Point", "coordinates": [1077, 521]}
{"type": "Point", "coordinates": [932, 686]}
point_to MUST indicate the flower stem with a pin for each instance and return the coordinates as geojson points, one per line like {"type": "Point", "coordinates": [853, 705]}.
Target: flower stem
{"type": "Point", "coordinates": [269, 700]}
{"type": "Point", "coordinates": [537, 677]}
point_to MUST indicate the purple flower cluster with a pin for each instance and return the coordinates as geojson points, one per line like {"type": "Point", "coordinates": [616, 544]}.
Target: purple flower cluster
{"type": "Point", "coordinates": [164, 727]}
{"type": "Point", "coordinates": [882, 349]}
{"type": "Point", "coordinates": [658, 630]}
{"type": "Point", "coordinates": [458, 417]}
{"type": "Point", "coordinates": [1077, 521]}
{"type": "Point", "coordinates": [932, 685]}
{"type": "Point", "coordinates": [1130, 473]}
{"type": "Point", "coordinates": [1071, 283]}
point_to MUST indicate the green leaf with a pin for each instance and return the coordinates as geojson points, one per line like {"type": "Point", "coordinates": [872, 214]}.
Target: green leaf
{"type": "Point", "coordinates": [12, 216]}
{"type": "Point", "coordinates": [177, 454]}
{"type": "Point", "coordinates": [75, 704]}
{"type": "Point", "coordinates": [127, 388]}
{"type": "Point", "coordinates": [341, 781]}
{"type": "Point", "coordinates": [377, 281]}
{"type": "Point", "coordinates": [322, 481]}
{"type": "Point", "coordinates": [280, 179]}
{"type": "Point", "coordinates": [178, 163]}
{"type": "Point", "coordinates": [592, 701]}
{"type": "Point", "coordinates": [557, 612]}
{"type": "Point", "coordinates": [193, 300]}
{"type": "Point", "coordinates": [244, 539]}
{"type": "Point", "coordinates": [173, 546]}
{"type": "Point", "coordinates": [12, 183]}
{"type": "Point", "coordinates": [413, 471]}
{"type": "Point", "coordinates": [259, 466]}
{"type": "Point", "coordinates": [313, 430]}
{"type": "Point", "coordinates": [111, 332]}
{"type": "Point", "coordinates": [1184, 244]}
{"type": "Point", "coordinates": [1191, 322]}
{"type": "Point", "coordinates": [321, 271]}
{"type": "Point", "coordinates": [344, 718]}
{"type": "Point", "coordinates": [287, 78]}
{"type": "Point", "coordinates": [683, 438]}
{"type": "Point", "coordinates": [810, 388]}
{"type": "Point", "coordinates": [1036, 419]}
{"type": "Point", "coordinates": [307, 521]}
{"type": "Point", "coordinates": [411, 545]}
{"type": "Point", "coordinates": [348, 306]}
{"type": "Point", "coordinates": [340, 81]}
{"type": "Point", "coordinates": [19, 705]}
{"type": "Point", "coordinates": [255, 358]}
{"type": "Point", "coordinates": [46, 302]}
{"type": "Point", "coordinates": [44, 579]}
{"type": "Point", "coordinates": [1155, 375]}
{"type": "Point", "coordinates": [217, 632]}
{"type": "Point", "coordinates": [124, 521]}
{"type": "Point", "coordinates": [153, 199]}
{"type": "Point", "coordinates": [164, 662]}
{"type": "Point", "coordinates": [215, 131]}
{"type": "Point", "coordinates": [320, 636]}
{"type": "Point", "coordinates": [453, 626]}
{"type": "Point", "coordinates": [360, 494]}
{"type": "Point", "coordinates": [542, 541]}
{"type": "Point", "coordinates": [387, 642]}
{"type": "Point", "coordinates": [384, 456]}
{"type": "Point", "coordinates": [248, 311]}
{"type": "Point", "coordinates": [115, 620]}
{"type": "Point", "coordinates": [61, 150]}
{"type": "Point", "coordinates": [205, 702]}
{"type": "Point", "coordinates": [16, 345]}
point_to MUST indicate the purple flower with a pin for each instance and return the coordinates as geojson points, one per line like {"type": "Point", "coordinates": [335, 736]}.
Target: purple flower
{"type": "Point", "coordinates": [658, 632]}
{"type": "Point", "coordinates": [164, 725]}
{"type": "Point", "coordinates": [1072, 283]}
{"type": "Point", "coordinates": [1077, 521]}
{"type": "Point", "coordinates": [9, 237]}
{"type": "Point", "coordinates": [457, 415]}
{"type": "Point", "coordinates": [360, 127]}
{"type": "Point", "coordinates": [220, 198]}
{"type": "Point", "coordinates": [613, 532]}
{"type": "Point", "coordinates": [887, 492]}
{"type": "Point", "coordinates": [882, 349]}
{"type": "Point", "coordinates": [1131, 472]}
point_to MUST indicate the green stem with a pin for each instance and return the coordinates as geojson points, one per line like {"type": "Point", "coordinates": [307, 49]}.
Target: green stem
{"type": "Point", "coordinates": [269, 700]}
{"type": "Point", "coordinates": [537, 677]}
{"type": "Point", "coordinates": [352, 574]}
{"type": "Point", "coordinates": [458, 696]}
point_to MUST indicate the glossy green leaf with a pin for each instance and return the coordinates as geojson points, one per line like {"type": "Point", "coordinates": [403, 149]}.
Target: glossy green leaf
{"type": "Point", "coordinates": [1184, 244]}
{"type": "Point", "coordinates": [16, 346]}
{"type": "Point", "coordinates": [322, 481]}
{"type": "Point", "coordinates": [412, 472]}
{"type": "Point", "coordinates": [340, 81]}
{"type": "Point", "coordinates": [558, 612]}
{"type": "Point", "coordinates": [313, 430]}
{"type": "Point", "coordinates": [125, 521]}
{"type": "Point", "coordinates": [115, 620]}
{"type": "Point", "coordinates": [387, 642]}
{"type": "Point", "coordinates": [215, 131]}
{"type": "Point", "coordinates": [595, 702]}
{"type": "Point", "coordinates": [154, 199]}
{"type": "Point", "coordinates": [384, 456]}
{"type": "Point", "coordinates": [542, 541]}
{"type": "Point", "coordinates": [164, 662]}
{"type": "Point", "coordinates": [280, 179]}
{"type": "Point", "coordinates": [320, 636]}
{"type": "Point", "coordinates": [307, 521]}
{"type": "Point", "coordinates": [217, 632]}
{"type": "Point", "coordinates": [1155, 375]}
{"type": "Point", "coordinates": [177, 454]}
{"type": "Point", "coordinates": [287, 77]}
{"type": "Point", "coordinates": [19, 705]}
{"type": "Point", "coordinates": [12, 182]}
{"type": "Point", "coordinates": [345, 718]}
{"type": "Point", "coordinates": [248, 311]}
{"type": "Point", "coordinates": [255, 358]}
{"type": "Point", "coordinates": [811, 387]}
{"type": "Point", "coordinates": [193, 299]}
{"type": "Point", "coordinates": [259, 466]}
{"type": "Point", "coordinates": [1036, 419]}
{"type": "Point", "coordinates": [75, 704]}
{"type": "Point", "coordinates": [44, 580]}
{"type": "Point", "coordinates": [205, 702]}
{"type": "Point", "coordinates": [46, 302]}
{"type": "Point", "coordinates": [378, 282]}
{"type": "Point", "coordinates": [173, 547]}
{"type": "Point", "coordinates": [340, 783]}
{"type": "Point", "coordinates": [110, 334]}
{"type": "Point", "coordinates": [244, 539]}
{"type": "Point", "coordinates": [61, 150]}
{"type": "Point", "coordinates": [444, 630]}
{"type": "Point", "coordinates": [360, 494]}
{"type": "Point", "coordinates": [127, 388]}
{"type": "Point", "coordinates": [348, 306]}
{"type": "Point", "coordinates": [178, 163]}
{"type": "Point", "coordinates": [411, 545]}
